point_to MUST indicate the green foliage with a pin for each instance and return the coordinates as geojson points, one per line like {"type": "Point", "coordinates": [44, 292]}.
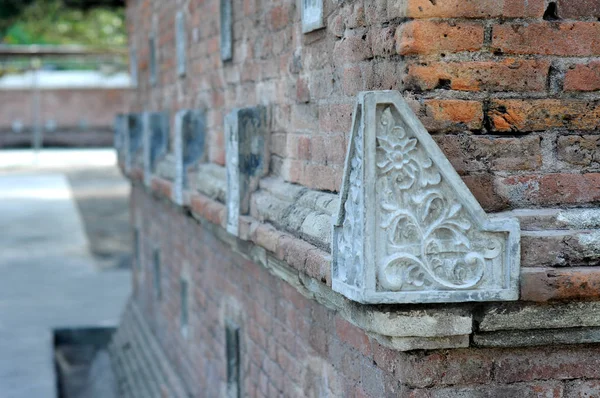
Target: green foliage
{"type": "Point", "coordinates": [51, 22]}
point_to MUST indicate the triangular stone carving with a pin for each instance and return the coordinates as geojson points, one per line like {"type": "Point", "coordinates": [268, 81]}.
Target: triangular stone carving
{"type": "Point", "coordinates": [408, 230]}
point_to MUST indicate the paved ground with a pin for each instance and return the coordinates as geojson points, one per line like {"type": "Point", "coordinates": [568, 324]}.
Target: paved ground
{"type": "Point", "coordinates": [49, 278]}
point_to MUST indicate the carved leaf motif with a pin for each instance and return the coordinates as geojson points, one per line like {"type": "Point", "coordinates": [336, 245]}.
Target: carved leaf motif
{"type": "Point", "coordinates": [428, 232]}
{"type": "Point", "coordinates": [351, 240]}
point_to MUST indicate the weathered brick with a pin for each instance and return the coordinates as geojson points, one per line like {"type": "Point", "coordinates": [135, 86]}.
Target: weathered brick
{"type": "Point", "coordinates": [559, 248]}
{"type": "Point", "coordinates": [352, 80]}
{"type": "Point", "coordinates": [583, 77]}
{"type": "Point", "coordinates": [547, 363]}
{"type": "Point", "coordinates": [516, 115]}
{"type": "Point", "coordinates": [545, 284]}
{"type": "Point", "coordinates": [278, 17]}
{"type": "Point", "coordinates": [351, 49]}
{"type": "Point", "coordinates": [352, 335]}
{"type": "Point", "coordinates": [578, 9]}
{"type": "Point", "coordinates": [469, 154]}
{"type": "Point", "coordinates": [162, 187]}
{"type": "Point", "coordinates": [474, 9]}
{"type": "Point", "coordinates": [505, 75]}
{"type": "Point", "coordinates": [298, 146]}
{"type": "Point", "coordinates": [579, 150]}
{"type": "Point", "coordinates": [382, 41]}
{"type": "Point", "coordinates": [429, 37]}
{"type": "Point", "coordinates": [549, 189]}
{"type": "Point", "coordinates": [335, 117]}
{"type": "Point", "coordinates": [547, 38]}
{"type": "Point", "coordinates": [302, 90]}
{"type": "Point", "coordinates": [542, 389]}
{"type": "Point", "coordinates": [582, 389]}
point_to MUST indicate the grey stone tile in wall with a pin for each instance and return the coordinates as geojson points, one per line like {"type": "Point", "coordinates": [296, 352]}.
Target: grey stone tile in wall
{"type": "Point", "coordinates": [226, 14]}
{"type": "Point", "coordinates": [133, 140]}
{"type": "Point", "coordinates": [189, 146]}
{"type": "Point", "coordinates": [133, 66]}
{"type": "Point", "coordinates": [156, 141]}
{"type": "Point", "coordinates": [247, 159]}
{"type": "Point", "coordinates": [119, 129]}
{"type": "Point", "coordinates": [312, 15]}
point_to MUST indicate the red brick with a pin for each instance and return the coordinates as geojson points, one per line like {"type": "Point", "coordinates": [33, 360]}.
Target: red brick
{"type": "Point", "coordinates": [321, 177]}
{"type": "Point", "coordinates": [267, 237]}
{"type": "Point", "coordinates": [207, 208]}
{"type": "Point", "coordinates": [450, 115]}
{"type": "Point", "coordinates": [352, 335]}
{"type": "Point", "coordinates": [318, 266]}
{"type": "Point", "coordinates": [505, 75]}
{"type": "Point", "coordinates": [429, 37]}
{"type": "Point", "coordinates": [298, 146]}
{"type": "Point", "coordinates": [482, 187]}
{"type": "Point", "coordinates": [583, 77]}
{"type": "Point", "coordinates": [541, 114]}
{"type": "Point", "coordinates": [548, 38]}
{"type": "Point", "coordinates": [545, 284]}
{"type": "Point", "coordinates": [475, 9]}
{"type": "Point", "coordinates": [162, 187]}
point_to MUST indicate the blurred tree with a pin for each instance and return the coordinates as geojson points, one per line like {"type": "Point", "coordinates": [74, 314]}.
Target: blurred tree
{"type": "Point", "coordinates": [91, 23]}
{"type": "Point", "coordinates": [9, 11]}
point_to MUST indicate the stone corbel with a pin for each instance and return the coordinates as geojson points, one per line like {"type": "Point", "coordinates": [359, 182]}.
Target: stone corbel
{"type": "Point", "coordinates": [156, 141]}
{"type": "Point", "coordinates": [119, 130]}
{"type": "Point", "coordinates": [190, 133]}
{"type": "Point", "coordinates": [407, 229]}
{"type": "Point", "coordinates": [247, 160]}
{"type": "Point", "coordinates": [133, 141]}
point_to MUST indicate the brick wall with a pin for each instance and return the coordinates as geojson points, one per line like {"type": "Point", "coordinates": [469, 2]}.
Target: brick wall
{"type": "Point", "coordinates": [508, 89]}
{"type": "Point", "coordinates": [292, 346]}
{"type": "Point", "coordinates": [72, 111]}
{"type": "Point", "coordinates": [68, 108]}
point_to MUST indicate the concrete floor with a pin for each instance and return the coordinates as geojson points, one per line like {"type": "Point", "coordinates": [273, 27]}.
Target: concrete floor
{"type": "Point", "coordinates": [48, 276]}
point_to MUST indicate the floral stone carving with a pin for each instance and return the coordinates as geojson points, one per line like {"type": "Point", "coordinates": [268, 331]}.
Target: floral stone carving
{"type": "Point", "coordinates": [408, 230]}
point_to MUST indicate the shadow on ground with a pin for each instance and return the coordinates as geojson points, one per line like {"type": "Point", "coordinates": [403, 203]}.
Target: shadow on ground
{"type": "Point", "coordinates": [102, 197]}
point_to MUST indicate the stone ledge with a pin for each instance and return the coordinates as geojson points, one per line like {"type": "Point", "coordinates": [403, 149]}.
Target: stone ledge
{"type": "Point", "coordinates": [409, 327]}
{"type": "Point", "coordinates": [521, 316]}
{"type": "Point", "coordinates": [556, 219]}
{"type": "Point", "coordinates": [211, 180]}
{"type": "Point", "coordinates": [166, 167]}
{"type": "Point", "coordinates": [540, 337]}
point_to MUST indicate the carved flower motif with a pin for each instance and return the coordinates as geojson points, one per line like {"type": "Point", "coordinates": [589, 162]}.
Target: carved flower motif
{"type": "Point", "coordinates": [396, 150]}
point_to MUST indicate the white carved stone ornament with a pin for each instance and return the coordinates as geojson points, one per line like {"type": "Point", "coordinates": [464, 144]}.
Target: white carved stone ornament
{"type": "Point", "coordinates": [408, 230]}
